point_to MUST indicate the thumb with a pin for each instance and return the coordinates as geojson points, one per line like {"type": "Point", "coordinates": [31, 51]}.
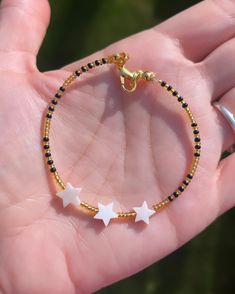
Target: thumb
{"type": "Point", "coordinates": [23, 24]}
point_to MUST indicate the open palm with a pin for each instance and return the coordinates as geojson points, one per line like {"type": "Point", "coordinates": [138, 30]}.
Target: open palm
{"type": "Point", "coordinates": [120, 147]}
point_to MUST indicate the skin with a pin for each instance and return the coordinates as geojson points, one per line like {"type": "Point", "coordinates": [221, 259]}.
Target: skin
{"type": "Point", "coordinates": [119, 147]}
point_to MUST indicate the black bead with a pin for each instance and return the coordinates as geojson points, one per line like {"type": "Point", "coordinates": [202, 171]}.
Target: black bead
{"type": "Point", "coordinates": [189, 176]}
{"type": "Point", "coordinates": [54, 102]}
{"type": "Point", "coordinates": [197, 139]}
{"type": "Point", "coordinates": [62, 89]}
{"type": "Point", "coordinates": [48, 154]}
{"type": "Point", "coordinates": [90, 65]}
{"type": "Point", "coordinates": [196, 154]}
{"type": "Point", "coordinates": [97, 62]}
{"type": "Point", "coordinates": [196, 132]}
{"type": "Point", "coordinates": [104, 60]}
{"type": "Point", "coordinates": [46, 139]}
{"type": "Point", "coordinates": [46, 146]}
{"type": "Point", "coordinates": [184, 105]}
{"type": "Point", "coordinates": [77, 73]}
{"type": "Point", "coordinates": [174, 93]}
{"type": "Point", "coordinates": [51, 108]}
{"type": "Point", "coordinates": [180, 98]}
{"type": "Point", "coordinates": [198, 146]}
{"type": "Point", "coordinates": [185, 182]}
{"type": "Point", "coordinates": [50, 161]}
{"type": "Point", "coordinates": [163, 83]}
{"type": "Point", "coordinates": [171, 197]}
{"type": "Point", "coordinates": [176, 194]}
{"type": "Point", "coordinates": [53, 169]}
{"type": "Point", "coordinates": [84, 69]}
{"type": "Point", "coordinates": [57, 95]}
{"type": "Point", "coordinates": [169, 88]}
{"type": "Point", "coordinates": [181, 189]}
{"type": "Point", "coordinates": [194, 124]}
{"type": "Point", "coordinates": [49, 115]}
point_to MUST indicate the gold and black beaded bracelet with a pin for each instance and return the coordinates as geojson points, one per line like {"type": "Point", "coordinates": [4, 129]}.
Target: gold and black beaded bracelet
{"type": "Point", "coordinates": [129, 80]}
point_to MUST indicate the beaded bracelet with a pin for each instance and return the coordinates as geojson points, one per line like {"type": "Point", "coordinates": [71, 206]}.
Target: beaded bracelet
{"type": "Point", "coordinates": [129, 80]}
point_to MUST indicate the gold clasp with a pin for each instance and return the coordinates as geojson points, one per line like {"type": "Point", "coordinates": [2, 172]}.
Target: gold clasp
{"type": "Point", "coordinates": [129, 79]}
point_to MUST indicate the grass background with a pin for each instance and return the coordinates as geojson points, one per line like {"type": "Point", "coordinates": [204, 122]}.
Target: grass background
{"type": "Point", "coordinates": [205, 265]}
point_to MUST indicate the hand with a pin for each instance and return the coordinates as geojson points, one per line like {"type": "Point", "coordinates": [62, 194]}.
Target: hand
{"type": "Point", "coordinates": [119, 147]}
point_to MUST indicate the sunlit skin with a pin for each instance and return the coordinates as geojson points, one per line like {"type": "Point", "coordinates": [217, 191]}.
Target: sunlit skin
{"type": "Point", "coordinates": [119, 147]}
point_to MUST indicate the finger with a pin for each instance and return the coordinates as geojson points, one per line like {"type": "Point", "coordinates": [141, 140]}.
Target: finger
{"type": "Point", "coordinates": [219, 69]}
{"type": "Point", "coordinates": [225, 183]}
{"type": "Point", "coordinates": [23, 24]}
{"type": "Point", "coordinates": [197, 31]}
{"type": "Point", "coordinates": [201, 28]}
{"type": "Point", "coordinates": [228, 134]}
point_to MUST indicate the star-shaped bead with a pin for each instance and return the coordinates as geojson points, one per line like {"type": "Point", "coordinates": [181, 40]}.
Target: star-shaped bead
{"type": "Point", "coordinates": [105, 213]}
{"type": "Point", "coordinates": [70, 195]}
{"type": "Point", "coordinates": [143, 213]}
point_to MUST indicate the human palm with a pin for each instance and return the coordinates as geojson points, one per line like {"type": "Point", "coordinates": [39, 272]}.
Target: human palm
{"type": "Point", "coordinates": [120, 147]}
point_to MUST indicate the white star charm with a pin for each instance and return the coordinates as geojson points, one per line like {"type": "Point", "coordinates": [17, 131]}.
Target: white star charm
{"type": "Point", "coordinates": [70, 195]}
{"type": "Point", "coordinates": [105, 213]}
{"type": "Point", "coordinates": [143, 213]}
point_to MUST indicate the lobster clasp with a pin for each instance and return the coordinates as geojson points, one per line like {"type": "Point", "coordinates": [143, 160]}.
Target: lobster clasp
{"type": "Point", "coordinates": [128, 79]}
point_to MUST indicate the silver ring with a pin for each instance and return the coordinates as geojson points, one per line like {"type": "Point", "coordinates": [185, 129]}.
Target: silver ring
{"type": "Point", "coordinates": [226, 113]}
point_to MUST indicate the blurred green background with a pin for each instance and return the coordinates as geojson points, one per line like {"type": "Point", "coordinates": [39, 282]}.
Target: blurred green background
{"type": "Point", "coordinates": [206, 265]}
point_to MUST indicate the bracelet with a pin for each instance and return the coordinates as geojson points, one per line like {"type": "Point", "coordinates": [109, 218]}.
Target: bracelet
{"type": "Point", "coordinates": [129, 81]}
